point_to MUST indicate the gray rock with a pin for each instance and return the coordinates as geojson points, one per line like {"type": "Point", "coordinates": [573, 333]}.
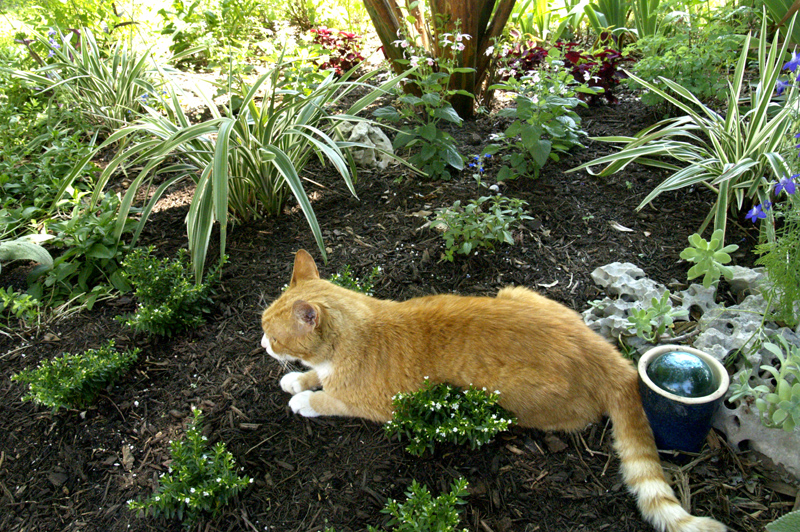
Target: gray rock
{"type": "Point", "coordinates": [372, 137]}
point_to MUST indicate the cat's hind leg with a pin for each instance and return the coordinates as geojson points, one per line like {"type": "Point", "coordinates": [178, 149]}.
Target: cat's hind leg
{"type": "Point", "coordinates": [298, 381]}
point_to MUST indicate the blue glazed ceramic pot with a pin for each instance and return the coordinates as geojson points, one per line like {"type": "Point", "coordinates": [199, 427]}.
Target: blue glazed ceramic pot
{"type": "Point", "coordinates": [680, 423]}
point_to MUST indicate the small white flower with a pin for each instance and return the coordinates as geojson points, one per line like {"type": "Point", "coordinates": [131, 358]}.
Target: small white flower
{"type": "Point", "coordinates": [187, 500]}
{"type": "Point", "coordinates": [489, 51]}
{"type": "Point", "coordinates": [459, 46]}
{"type": "Point", "coordinates": [586, 76]}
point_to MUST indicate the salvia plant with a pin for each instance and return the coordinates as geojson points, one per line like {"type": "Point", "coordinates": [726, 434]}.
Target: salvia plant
{"type": "Point", "coordinates": [347, 279]}
{"type": "Point", "coordinates": [434, 150]}
{"type": "Point", "coordinates": [200, 481]}
{"type": "Point", "coordinates": [74, 381]}
{"type": "Point", "coordinates": [544, 124]}
{"type": "Point", "coordinates": [421, 512]}
{"type": "Point", "coordinates": [446, 414]}
{"type": "Point", "coordinates": [780, 405]}
{"type": "Point", "coordinates": [710, 257]}
{"type": "Point", "coordinates": [169, 299]}
{"type": "Point", "coordinates": [480, 223]}
{"type": "Point", "coordinates": [652, 322]}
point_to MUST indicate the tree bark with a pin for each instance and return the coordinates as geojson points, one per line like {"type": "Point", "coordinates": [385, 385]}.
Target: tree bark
{"type": "Point", "coordinates": [482, 20]}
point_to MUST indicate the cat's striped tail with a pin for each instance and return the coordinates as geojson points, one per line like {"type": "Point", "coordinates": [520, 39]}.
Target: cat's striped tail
{"type": "Point", "coordinates": [641, 468]}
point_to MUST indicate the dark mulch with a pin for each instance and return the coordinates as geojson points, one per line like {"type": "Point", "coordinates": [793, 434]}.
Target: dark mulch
{"type": "Point", "coordinates": [68, 472]}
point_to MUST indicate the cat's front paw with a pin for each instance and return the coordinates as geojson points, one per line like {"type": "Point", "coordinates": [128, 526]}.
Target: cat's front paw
{"type": "Point", "coordinates": [292, 382]}
{"type": "Point", "coordinates": [301, 404]}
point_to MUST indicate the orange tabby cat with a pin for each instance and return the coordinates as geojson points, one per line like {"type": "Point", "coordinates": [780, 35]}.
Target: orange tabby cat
{"type": "Point", "coordinates": [552, 371]}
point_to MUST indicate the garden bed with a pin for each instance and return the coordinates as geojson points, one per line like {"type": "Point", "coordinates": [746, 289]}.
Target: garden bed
{"type": "Point", "coordinates": [75, 470]}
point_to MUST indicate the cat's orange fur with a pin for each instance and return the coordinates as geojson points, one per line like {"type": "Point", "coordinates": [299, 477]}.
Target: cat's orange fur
{"type": "Point", "coordinates": [552, 371]}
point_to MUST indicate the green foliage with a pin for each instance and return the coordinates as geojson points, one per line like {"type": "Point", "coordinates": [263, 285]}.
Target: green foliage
{"type": "Point", "coordinates": [787, 523]}
{"type": "Point", "coordinates": [442, 413]}
{"type": "Point", "coordinates": [544, 124]}
{"type": "Point", "coordinates": [246, 163]}
{"type": "Point", "coordinates": [345, 278]}
{"type": "Point", "coordinates": [710, 258]}
{"type": "Point", "coordinates": [422, 513]}
{"type": "Point", "coordinates": [88, 265]}
{"type": "Point", "coordinates": [109, 88]}
{"type": "Point", "coordinates": [100, 16]}
{"type": "Point", "coordinates": [781, 260]}
{"type": "Point", "coordinates": [691, 49]}
{"type": "Point", "coordinates": [480, 223]}
{"type": "Point", "coordinates": [435, 149]}
{"type": "Point", "coordinates": [74, 381]}
{"type": "Point", "coordinates": [16, 306]}
{"type": "Point", "coordinates": [779, 406]}
{"type": "Point", "coordinates": [169, 300]}
{"type": "Point", "coordinates": [729, 153]}
{"type": "Point", "coordinates": [652, 322]}
{"type": "Point", "coordinates": [201, 480]}
{"type": "Point", "coordinates": [214, 30]}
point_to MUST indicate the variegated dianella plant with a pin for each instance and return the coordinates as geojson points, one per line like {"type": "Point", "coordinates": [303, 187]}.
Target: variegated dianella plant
{"type": "Point", "coordinates": [739, 154]}
{"type": "Point", "coordinates": [245, 161]}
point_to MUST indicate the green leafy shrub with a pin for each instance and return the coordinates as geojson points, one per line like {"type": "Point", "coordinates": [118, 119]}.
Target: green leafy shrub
{"type": "Point", "coordinates": [693, 49]}
{"type": "Point", "coordinates": [779, 406]}
{"type": "Point", "coordinates": [422, 513]}
{"type": "Point", "coordinates": [544, 124]}
{"type": "Point", "coordinates": [345, 278]}
{"type": "Point", "coordinates": [201, 480]}
{"type": "Point", "coordinates": [16, 306]}
{"type": "Point", "coordinates": [169, 300]}
{"type": "Point", "coordinates": [88, 265]}
{"type": "Point", "coordinates": [652, 322]}
{"type": "Point", "coordinates": [480, 223]}
{"type": "Point", "coordinates": [74, 381]}
{"type": "Point", "coordinates": [434, 150]}
{"type": "Point", "coordinates": [443, 413]}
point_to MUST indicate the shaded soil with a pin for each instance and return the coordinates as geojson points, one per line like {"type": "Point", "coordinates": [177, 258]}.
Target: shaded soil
{"type": "Point", "coordinates": [70, 471]}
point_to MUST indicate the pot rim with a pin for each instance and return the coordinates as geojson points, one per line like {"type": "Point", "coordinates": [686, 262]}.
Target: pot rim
{"type": "Point", "coordinates": [716, 367]}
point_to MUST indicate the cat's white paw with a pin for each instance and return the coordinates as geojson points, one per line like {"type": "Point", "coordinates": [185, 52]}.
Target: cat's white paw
{"type": "Point", "coordinates": [301, 404]}
{"type": "Point", "coordinates": [291, 382]}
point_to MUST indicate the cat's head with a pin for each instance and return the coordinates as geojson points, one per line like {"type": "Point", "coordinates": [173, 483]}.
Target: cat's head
{"type": "Point", "coordinates": [292, 324]}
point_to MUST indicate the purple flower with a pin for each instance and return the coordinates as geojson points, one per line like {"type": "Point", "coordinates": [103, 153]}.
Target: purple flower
{"type": "Point", "coordinates": [781, 86]}
{"type": "Point", "coordinates": [51, 32]}
{"type": "Point", "coordinates": [793, 63]}
{"type": "Point", "coordinates": [786, 184]}
{"type": "Point", "coordinates": [755, 214]}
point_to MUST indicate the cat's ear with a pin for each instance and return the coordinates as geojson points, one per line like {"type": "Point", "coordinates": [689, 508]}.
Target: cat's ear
{"type": "Point", "coordinates": [304, 268]}
{"type": "Point", "coordinates": [306, 316]}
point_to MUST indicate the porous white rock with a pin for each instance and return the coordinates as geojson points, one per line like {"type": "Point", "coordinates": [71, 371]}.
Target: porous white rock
{"type": "Point", "coordinates": [723, 332]}
{"type": "Point", "coordinates": [371, 137]}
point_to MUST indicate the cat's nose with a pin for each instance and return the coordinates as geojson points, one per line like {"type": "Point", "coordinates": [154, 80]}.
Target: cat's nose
{"type": "Point", "coordinates": [265, 342]}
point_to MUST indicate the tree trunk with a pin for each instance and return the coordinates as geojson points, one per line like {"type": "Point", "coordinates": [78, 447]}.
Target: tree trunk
{"type": "Point", "coordinates": [476, 20]}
